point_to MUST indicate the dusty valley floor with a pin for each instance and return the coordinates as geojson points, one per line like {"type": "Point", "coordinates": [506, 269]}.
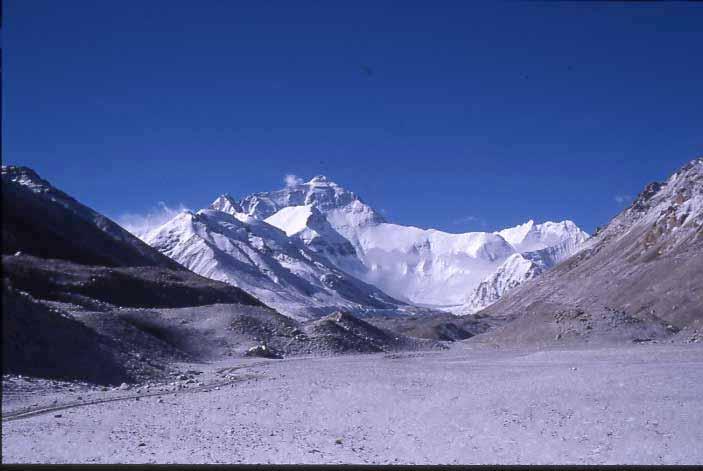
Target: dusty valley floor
{"type": "Point", "coordinates": [641, 404]}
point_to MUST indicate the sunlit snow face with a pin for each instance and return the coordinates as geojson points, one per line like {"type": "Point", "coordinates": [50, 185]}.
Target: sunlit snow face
{"type": "Point", "coordinates": [422, 266]}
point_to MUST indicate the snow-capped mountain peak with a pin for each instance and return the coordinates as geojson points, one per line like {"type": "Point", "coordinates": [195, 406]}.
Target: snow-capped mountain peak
{"type": "Point", "coordinates": [515, 235]}
{"type": "Point", "coordinates": [320, 192]}
{"type": "Point", "coordinates": [539, 247]}
{"type": "Point", "coordinates": [331, 225]}
{"type": "Point", "coordinates": [529, 236]}
{"type": "Point", "coordinates": [227, 204]}
{"type": "Point", "coordinates": [343, 209]}
{"type": "Point", "coordinates": [321, 180]}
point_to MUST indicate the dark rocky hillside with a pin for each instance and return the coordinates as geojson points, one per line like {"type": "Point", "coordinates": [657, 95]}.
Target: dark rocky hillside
{"type": "Point", "coordinates": [41, 341]}
{"type": "Point", "coordinates": [41, 220]}
{"type": "Point", "coordinates": [147, 287]}
{"type": "Point", "coordinates": [56, 248]}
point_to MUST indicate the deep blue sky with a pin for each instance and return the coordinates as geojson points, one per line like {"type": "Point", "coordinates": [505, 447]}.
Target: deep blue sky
{"type": "Point", "coordinates": [455, 115]}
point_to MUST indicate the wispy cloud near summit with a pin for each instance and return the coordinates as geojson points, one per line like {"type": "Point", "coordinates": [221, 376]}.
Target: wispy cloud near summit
{"type": "Point", "coordinates": [472, 220]}
{"type": "Point", "coordinates": [140, 224]}
{"type": "Point", "coordinates": [292, 180]}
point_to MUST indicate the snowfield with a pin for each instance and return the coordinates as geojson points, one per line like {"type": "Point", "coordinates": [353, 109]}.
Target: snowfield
{"type": "Point", "coordinates": [640, 404]}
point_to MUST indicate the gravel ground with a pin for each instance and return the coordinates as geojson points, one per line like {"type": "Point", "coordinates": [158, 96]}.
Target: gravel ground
{"type": "Point", "coordinates": [640, 404]}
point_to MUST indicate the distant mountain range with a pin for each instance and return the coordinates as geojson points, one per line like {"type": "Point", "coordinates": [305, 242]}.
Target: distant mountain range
{"type": "Point", "coordinates": [315, 252]}
{"type": "Point", "coordinates": [313, 247]}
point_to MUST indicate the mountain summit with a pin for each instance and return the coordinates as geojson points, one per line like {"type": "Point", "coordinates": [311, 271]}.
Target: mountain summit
{"type": "Point", "coordinates": [320, 192]}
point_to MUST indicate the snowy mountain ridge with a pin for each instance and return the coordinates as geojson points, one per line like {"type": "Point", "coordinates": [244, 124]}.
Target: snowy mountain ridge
{"type": "Point", "coordinates": [249, 253]}
{"type": "Point", "coordinates": [334, 226]}
{"type": "Point", "coordinates": [529, 237]}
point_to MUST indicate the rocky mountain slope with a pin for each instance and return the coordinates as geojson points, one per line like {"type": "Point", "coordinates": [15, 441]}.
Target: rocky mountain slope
{"type": "Point", "coordinates": [110, 344]}
{"type": "Point", "coordinates": [67, 258]}
{"type": "Point", "coordinates": [41, 341]}
{"type": "Point", "coordinates": [639, 277]}
{"type": "Point", "coordinates": [41, 220]}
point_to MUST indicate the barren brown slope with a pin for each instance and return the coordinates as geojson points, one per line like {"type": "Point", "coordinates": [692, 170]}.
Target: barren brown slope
{"type": "Point", "coordinates": [639, 277]}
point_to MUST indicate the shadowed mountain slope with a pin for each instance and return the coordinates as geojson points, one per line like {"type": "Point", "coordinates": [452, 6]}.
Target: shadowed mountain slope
{"type": "Point", "coordinates": [40, 341]}
{"type": "Point", "coordinates": [43, 221]}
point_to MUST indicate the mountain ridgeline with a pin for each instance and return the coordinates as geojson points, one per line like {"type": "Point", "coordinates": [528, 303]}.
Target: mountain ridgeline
{"type": "Point", "coordinates": [314, 247]}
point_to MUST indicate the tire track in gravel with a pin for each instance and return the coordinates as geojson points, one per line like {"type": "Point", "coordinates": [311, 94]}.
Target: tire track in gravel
{"type": "Point", "coordinates": [27, 413]}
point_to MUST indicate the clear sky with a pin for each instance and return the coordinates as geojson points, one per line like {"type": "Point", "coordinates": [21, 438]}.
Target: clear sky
{"type": "Point", "coordinates": [455, 115]}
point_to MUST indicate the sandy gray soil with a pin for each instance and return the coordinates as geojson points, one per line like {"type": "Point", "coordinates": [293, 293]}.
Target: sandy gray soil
{"type": "Point", "coordinates": [636, 404]}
